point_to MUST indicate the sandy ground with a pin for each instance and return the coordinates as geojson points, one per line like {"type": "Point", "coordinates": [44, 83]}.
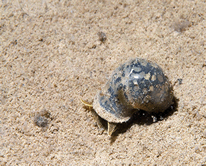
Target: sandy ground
{"type": "Point", "coordinates": [51, 57]}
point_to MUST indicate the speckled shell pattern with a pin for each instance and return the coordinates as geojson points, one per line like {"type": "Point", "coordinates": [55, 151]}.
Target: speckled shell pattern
{"type": "Point", "coordinates": [135, 85]}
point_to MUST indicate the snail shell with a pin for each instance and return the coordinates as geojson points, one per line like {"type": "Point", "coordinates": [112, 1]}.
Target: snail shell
{"type": "Point", "coordinates": [136, 85]}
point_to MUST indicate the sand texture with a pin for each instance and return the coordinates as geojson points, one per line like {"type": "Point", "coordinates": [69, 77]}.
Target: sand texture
{"type": "Point", "coordinates": [51, 56]}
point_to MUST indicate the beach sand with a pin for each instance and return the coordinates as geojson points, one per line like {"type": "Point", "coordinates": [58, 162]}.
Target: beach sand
{"type": "Point", "coordinates": [51, 56]}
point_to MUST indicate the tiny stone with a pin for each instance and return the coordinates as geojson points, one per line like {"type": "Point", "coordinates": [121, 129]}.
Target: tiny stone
{"type": "Point", "coordinates": [179, 81]}
{"type": "Point", "coordinates": [41, 118]}
{"type": "Point", "coordinates": [154, 119]}
{"type": "Point", "coordinates": [102, 36]}
{"type": "Point", "coordinates": [41, 121]}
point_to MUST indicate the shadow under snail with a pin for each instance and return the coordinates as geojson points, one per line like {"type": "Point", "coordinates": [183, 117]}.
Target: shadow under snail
{"type": "Point", "coordinates": [135, 85]}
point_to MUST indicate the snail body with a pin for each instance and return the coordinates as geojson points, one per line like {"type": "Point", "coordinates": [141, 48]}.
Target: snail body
{"type": "Point", "coordinates": [135, 85]}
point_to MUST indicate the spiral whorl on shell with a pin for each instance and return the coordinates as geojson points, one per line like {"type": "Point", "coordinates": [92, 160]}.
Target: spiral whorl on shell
{"type": "Point", "coordinates": [136, 85]}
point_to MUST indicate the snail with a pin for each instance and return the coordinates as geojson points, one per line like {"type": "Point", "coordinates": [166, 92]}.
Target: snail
{"type": "Point", "coordinates": [135, 85]}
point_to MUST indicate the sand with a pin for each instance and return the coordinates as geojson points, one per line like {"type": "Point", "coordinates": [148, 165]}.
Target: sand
{"type": "Point", "coordinates": [51, 57]}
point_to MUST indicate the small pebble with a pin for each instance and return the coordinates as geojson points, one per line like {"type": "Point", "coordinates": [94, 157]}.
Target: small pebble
{"type": "Point", "coordinates": [41, 118]}
{"type": "Point", "coordinates": [102, 36]}
{"type": "Point", "coordinates": [41, 121]}
{"type": "Point", "coordinates": [179, 81]}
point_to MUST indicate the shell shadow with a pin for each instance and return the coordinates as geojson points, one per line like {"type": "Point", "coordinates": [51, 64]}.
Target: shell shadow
{"type": "Point", "coordinates": [144, 118]}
